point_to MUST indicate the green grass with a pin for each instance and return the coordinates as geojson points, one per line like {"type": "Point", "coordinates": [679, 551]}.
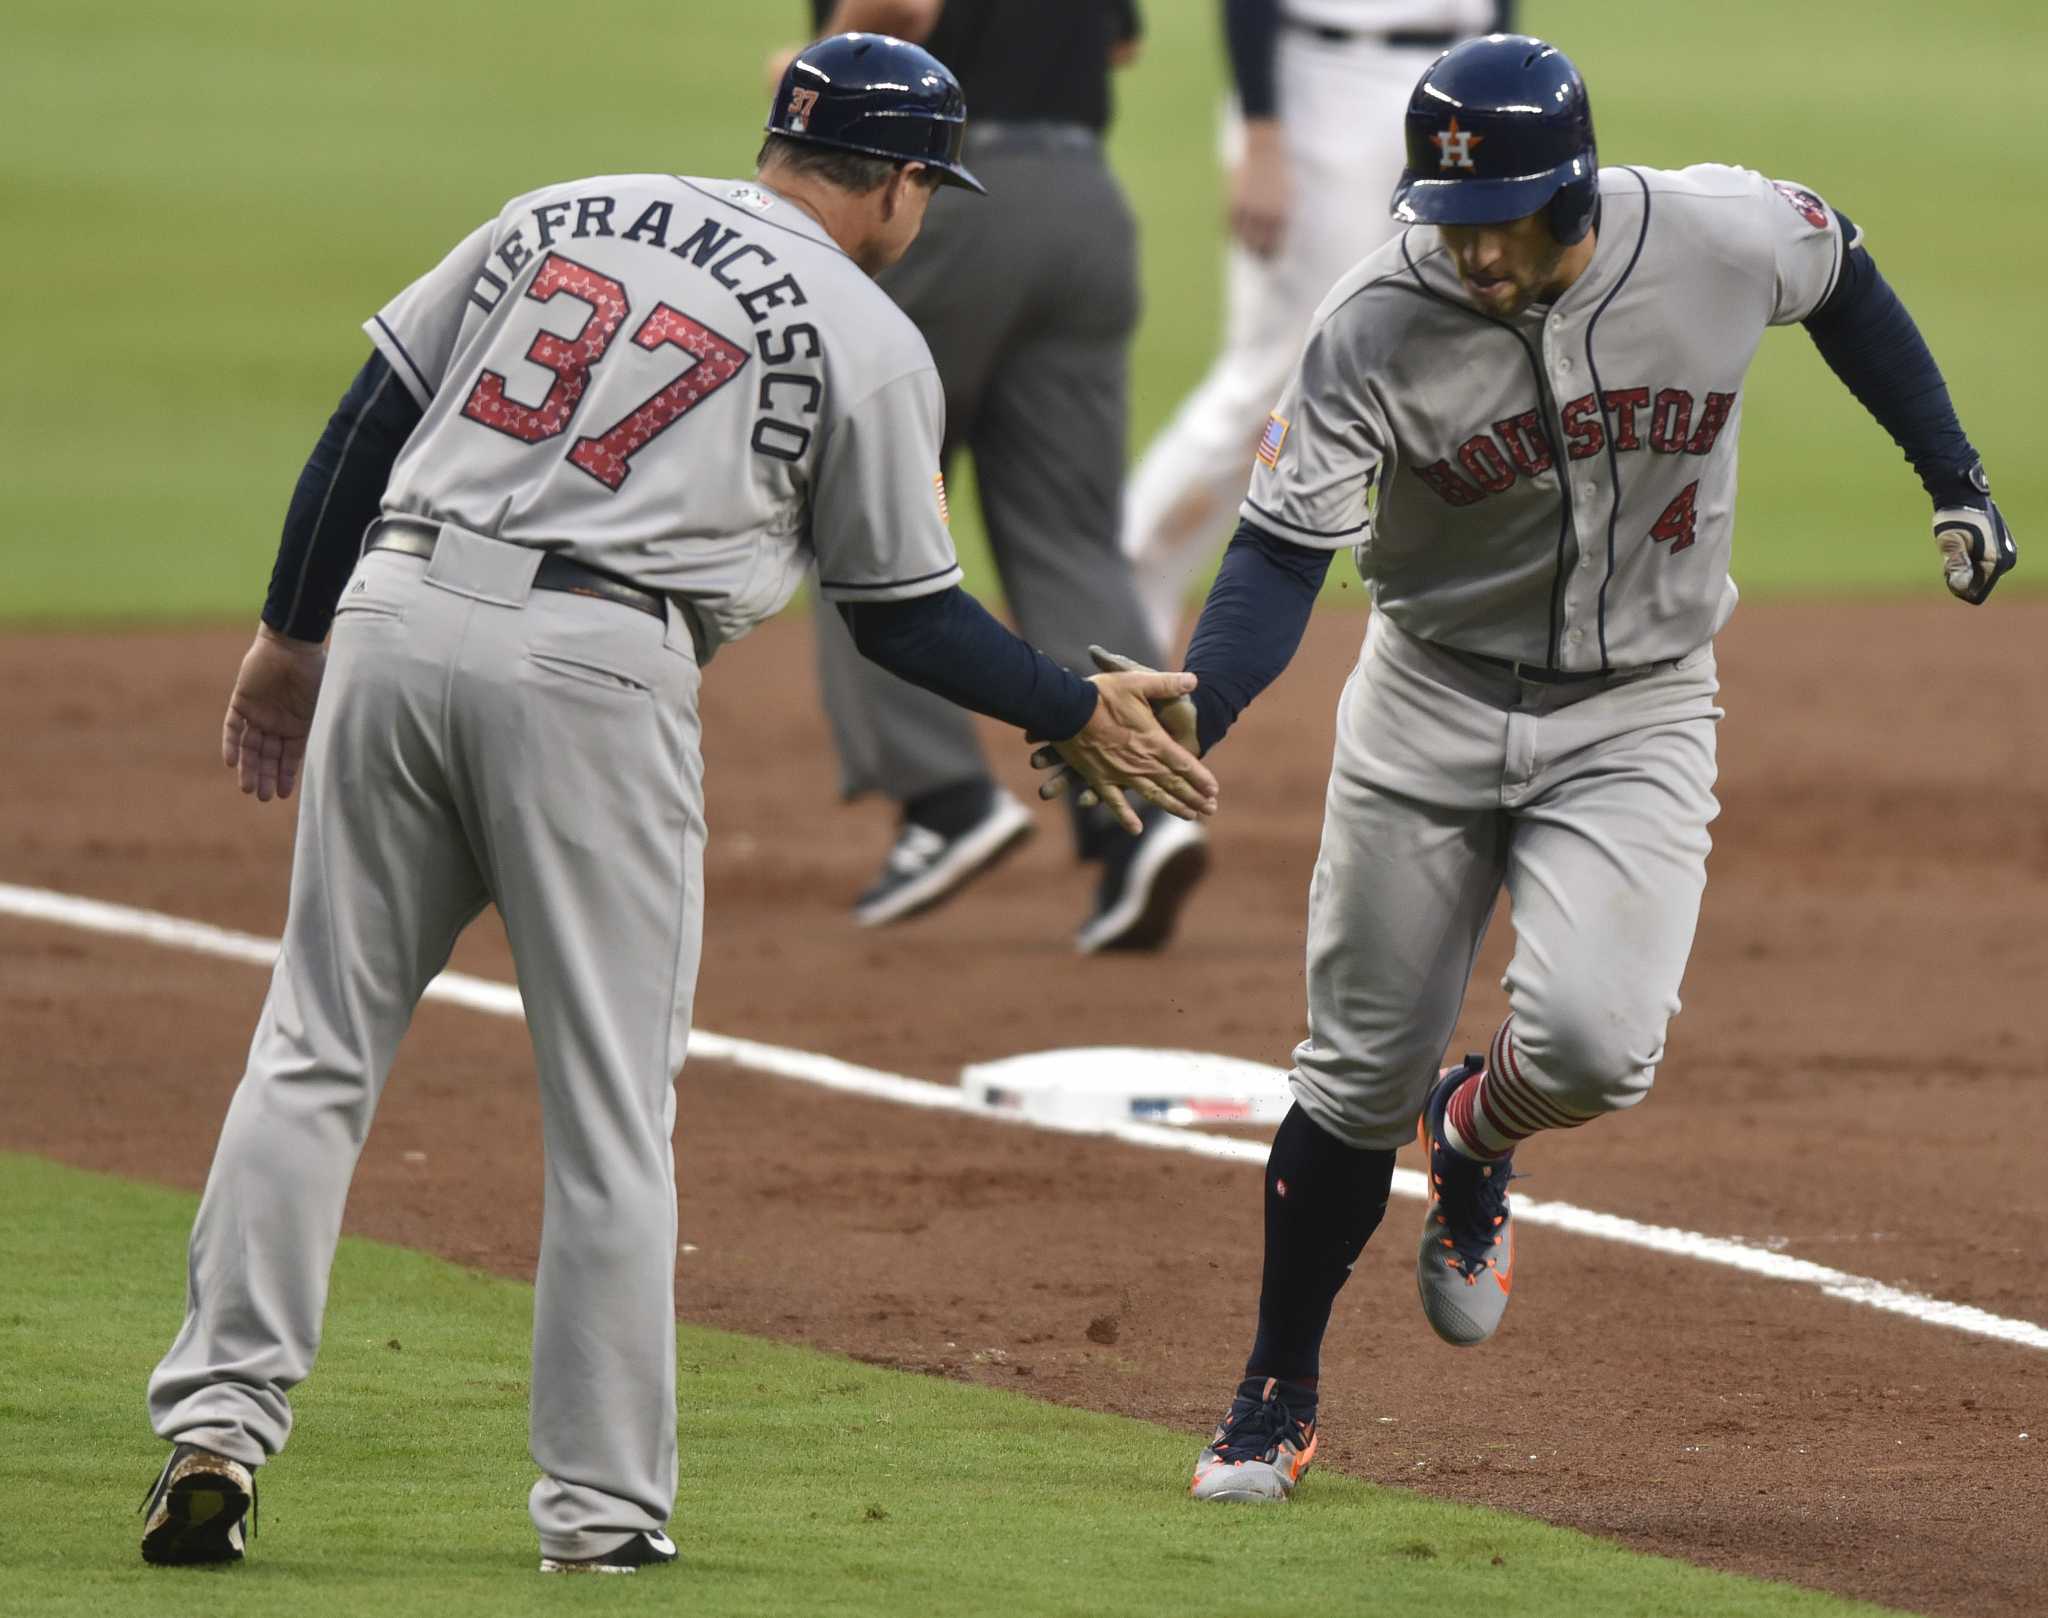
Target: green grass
{"type": "Point", "coordinates": [811, 1485]}
{"type": "Point", "coordinates": [206, 199]}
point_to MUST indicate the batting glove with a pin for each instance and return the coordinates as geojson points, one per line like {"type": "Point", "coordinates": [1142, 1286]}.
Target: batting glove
{"type": "Point", "coordinates": [1977, 549]}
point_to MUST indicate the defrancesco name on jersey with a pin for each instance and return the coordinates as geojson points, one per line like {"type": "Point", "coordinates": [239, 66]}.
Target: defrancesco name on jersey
{"type": "Point", "coordinates": [744, 268]}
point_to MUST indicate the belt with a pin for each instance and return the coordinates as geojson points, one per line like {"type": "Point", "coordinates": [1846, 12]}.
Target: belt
{"type": "Point", "coordinates": [1539, 674]}
{"type": "Point", "coordinates": [1029, 136]}
{"type": "Point", "coordinates": [556, 572]}
{"type": "Point", "coordinates": [1418, 39]}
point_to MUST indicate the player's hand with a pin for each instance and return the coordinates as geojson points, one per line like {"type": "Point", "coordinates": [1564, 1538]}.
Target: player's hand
{"type": "Point", "coordinates": [1124, 749]}
{"type": "Point", "coordinates": [1260, 193]}
{"type": "Point", "coordinates": [1176, 716]}
{"type": "Point", "coordinates": [1977, 549]}
{"type": "Point", "coordinates": [270, 713]}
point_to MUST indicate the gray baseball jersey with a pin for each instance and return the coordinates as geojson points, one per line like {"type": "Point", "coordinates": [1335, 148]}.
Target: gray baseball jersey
{"type": "Point", "coordinates": [1557, 488]}
{"type": "Point", "coordinates": [588, 360]}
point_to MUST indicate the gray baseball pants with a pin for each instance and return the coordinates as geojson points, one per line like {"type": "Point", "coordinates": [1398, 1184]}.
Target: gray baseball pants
{"type": "Point", "coordinates": [1028, 298]}
{"type": "Point", "coordinates": [476, 741]}
{"type": "Point", "coordinates": [1453, 779]}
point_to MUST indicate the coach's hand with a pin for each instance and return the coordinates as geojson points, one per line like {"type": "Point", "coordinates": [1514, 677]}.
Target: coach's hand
{"type": "Point", "coordinates": [1977, 549]}
{"type": "Point", "coordinates": [1176, 716]}
{"type": "Point", "coordinates": [1124, 746]}
{"type": "Point", "coordinates": [270, 713]}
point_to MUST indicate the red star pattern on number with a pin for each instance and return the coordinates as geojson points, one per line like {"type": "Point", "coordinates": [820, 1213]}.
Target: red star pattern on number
{"type": "Point", "coordinates": [714, 362]}
{"type": "Point", "coordinates": [570, 358]}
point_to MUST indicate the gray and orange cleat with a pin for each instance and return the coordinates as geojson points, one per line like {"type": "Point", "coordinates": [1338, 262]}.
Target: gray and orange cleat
{"type": "Point", "coordinates": [1466, 1264]}
{"type": "Point", "coordinates": [196, 1509]}
{"type": "Point", "coordinates": [1262, 1446]}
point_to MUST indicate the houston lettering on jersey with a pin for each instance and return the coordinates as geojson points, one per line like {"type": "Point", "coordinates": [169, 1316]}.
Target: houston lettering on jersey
{"type": "Point", "coordinates": [1662, 421]}
{"type": "Point", "coordinates": [785, 397]}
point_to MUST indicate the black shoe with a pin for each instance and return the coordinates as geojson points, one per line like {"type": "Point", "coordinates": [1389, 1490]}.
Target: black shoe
{"type": "Point", "coordinates": [649, 1549]}
{"type": "Point", "coordinates": [196, 1509]}
{"type": "Point", "coordinates": [1145, 881]}
{"type": "Point", "coordinates": [927, 867]}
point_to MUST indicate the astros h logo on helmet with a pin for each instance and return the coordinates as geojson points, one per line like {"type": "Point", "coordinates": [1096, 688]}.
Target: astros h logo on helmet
{"type": "Point", "coordinates": [1456, 145]}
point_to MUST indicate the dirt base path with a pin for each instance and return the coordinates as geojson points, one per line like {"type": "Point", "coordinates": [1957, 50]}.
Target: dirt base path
{"type": "Point", "coordinates": [1859, 1077]}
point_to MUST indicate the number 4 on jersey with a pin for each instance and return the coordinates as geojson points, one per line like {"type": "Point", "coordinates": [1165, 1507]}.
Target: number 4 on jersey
{"type": "Point", "coordinates": [715, 361]}
{"type": "Point", "coordinates": [1679, 519]}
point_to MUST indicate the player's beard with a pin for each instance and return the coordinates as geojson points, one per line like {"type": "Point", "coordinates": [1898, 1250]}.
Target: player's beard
{"type": "Point", "coordinates": [1538, 283]}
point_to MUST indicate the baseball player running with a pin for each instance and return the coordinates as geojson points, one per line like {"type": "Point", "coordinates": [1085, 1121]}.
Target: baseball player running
{"type": "Point", "coordinates": [608, 433]}
{"type": "Point", "coordinates": [1521, 415]}
{"type": "Point", "coordinates": [1312, 143]}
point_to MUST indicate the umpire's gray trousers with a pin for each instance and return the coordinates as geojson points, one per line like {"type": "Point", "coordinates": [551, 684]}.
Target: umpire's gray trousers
{"type": "Point", "coordinates": [1028, 298]}
{"type": "Point", "coordinates": [1453, 779]}
{"type": "Point", "coordinates": [476, 741]}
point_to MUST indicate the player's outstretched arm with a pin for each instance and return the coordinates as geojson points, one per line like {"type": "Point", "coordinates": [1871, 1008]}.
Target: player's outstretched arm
{"type": "Point", "coordinates": [1869, 340]}
{"type": "Point", "coordinates": [1106, 728]}
{"type": "Point", "coordinates": [1251, 625]}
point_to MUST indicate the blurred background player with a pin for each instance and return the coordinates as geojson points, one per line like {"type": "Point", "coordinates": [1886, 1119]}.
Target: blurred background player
{"type": "Point", "coordinates": [1312, 141]}
{"type": "Point", "coordinates": [1028, 306]}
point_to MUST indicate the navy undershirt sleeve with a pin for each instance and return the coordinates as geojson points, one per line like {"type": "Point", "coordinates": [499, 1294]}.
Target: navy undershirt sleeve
{"type": "Point", "coordinates": [948, 643]}
{"type": "Point", "coordinates": [337, 498]}
{"type": "Point", "coordinates": [1251, 624]}
{"type": "Point", "coordinates": [1871, 343]}
{"type": "Point", "coordinates": [1251, 29]}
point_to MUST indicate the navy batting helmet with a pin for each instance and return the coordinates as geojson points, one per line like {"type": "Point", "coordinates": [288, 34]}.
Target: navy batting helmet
{"type": "Point", "coordinates": [1498, 128]}
{"type": "Point", "coordinates": [879, 96]}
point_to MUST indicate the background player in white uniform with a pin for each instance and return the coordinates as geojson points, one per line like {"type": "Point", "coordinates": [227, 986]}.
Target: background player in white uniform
{"type": "Point", "coordinates": [1312, 142]}
{"type": "Point", "coordinates": [1522, 417]}
{"type": "Point", "coordinates": [610, 432]}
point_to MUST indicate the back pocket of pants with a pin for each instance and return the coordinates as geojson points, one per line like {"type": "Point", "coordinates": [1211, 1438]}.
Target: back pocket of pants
{"type": "Point", "coordinates": [587, 673]}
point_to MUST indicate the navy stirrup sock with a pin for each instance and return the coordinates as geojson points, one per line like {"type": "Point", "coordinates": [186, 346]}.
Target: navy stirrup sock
{"type": "Point", "coordinates": [1323, 1201]}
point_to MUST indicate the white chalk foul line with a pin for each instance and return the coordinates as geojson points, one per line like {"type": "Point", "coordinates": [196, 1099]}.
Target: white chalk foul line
{"type": "Point", "coordinates": [828, 1072]}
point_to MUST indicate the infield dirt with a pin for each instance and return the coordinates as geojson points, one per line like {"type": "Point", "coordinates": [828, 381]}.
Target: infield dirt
{"type": "Point", "coordinates": [1858, 1077]}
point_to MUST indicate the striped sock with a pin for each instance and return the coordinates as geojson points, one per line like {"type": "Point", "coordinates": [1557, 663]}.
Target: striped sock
{"type": "Point", "coordinates": [1493, 1112]}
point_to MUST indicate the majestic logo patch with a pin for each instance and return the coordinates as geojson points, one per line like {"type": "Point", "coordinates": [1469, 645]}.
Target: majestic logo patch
{"type": "Point", "coordinates": [1272, 438]}
{"type": "Point", "coordinates": [800, 103]}
{"type": "Point", "coordinates": [1808, 206]}
{"type": "Point", "coordinates": [939, 488]}
{"type": "Point", "coordinates": [1456, 145]}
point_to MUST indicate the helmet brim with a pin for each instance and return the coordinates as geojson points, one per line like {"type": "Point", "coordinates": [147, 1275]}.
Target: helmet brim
{"type": "Point", "coordinates": [950, 172]}
{"type": "Point", "coordinates": [1475, 202]}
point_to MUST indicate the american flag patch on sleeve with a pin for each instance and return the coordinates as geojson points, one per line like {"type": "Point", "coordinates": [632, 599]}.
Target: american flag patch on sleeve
{"type": "Point", "coordinates": [939, 488]}
{"type": "Point", "coordinates": [1272, 438]}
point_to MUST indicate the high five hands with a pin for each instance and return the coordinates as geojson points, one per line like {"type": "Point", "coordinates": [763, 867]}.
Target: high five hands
{"type": "Point", "coordinates": [1140, 739]}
